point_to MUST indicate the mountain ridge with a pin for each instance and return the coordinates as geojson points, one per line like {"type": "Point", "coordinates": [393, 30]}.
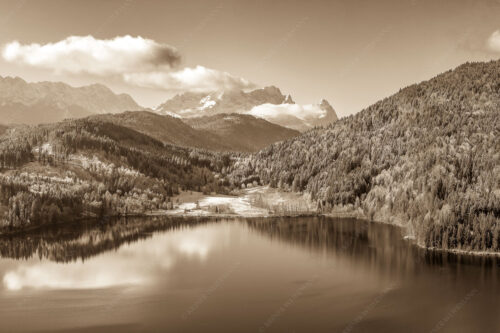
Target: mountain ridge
{"type": "Point", "coordinates": [46, 101]}
{"type": "Point", "coordinates": [245, 134]}
{"type": "Point", "coordinates": [230, 101]}
{"type": "Point", "coordinates": [268, 103]}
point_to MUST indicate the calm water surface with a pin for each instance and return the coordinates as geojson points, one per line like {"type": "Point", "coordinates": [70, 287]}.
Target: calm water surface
{"type": "Point", "coordinates": [274, 275]}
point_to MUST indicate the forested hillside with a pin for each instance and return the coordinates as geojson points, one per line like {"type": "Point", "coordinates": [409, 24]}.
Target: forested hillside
{"type": "Point", "coordinates": [242, 132]}
{"type": "Point", "coordinates": [235, 132]}
{"type": "Point", "coordinates": [427, 157]}
{"type": "Point", "coordinates": [88, 168]}
{"type": "Point", "coordinates": [167, 129]}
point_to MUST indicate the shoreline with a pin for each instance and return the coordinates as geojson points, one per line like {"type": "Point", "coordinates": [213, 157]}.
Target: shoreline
{"type": "Point", "coordinates": [241, 206]}
{"type": "Point", "coordinates": [235, 216]}
{"type": "Point", "coordinates": [423, 247]}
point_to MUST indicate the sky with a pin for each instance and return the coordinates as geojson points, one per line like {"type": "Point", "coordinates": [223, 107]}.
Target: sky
{"type": "Point", "coordinates": [352, 53]}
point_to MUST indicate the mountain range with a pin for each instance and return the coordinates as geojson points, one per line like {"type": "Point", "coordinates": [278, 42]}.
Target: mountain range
{"type": "Point", "coordinates": [45, 102]}
{"type": "Point", "coordinates": [191, 104]}
{"type": "Point", "coordinates": [268, 103]}
{"type": "Point", "coordinates": [48, 102]}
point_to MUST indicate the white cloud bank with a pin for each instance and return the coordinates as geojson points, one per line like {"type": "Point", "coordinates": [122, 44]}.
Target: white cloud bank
{"type": "Point", "coordinates": [102, 57]}
{"type": "Point", "coordinates": [135, 60]}
{"type": "Point", "coordinates": [198, 79]}
{"type": "Point", "coordinates": [494, 41]}
{"type": "Point", "coordinates": [302, 112]}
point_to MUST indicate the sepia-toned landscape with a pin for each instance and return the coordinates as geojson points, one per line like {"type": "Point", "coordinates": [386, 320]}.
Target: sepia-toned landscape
{"type": "Point", "coordinates": [234, 166]}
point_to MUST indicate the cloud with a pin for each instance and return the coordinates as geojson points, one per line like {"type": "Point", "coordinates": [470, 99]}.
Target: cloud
{"type": "Point", "coordinates": [198, 79]}
{"type": "Point", "coordinates": [303, 112]}
{"type": "Point", "coordinates": [296, 116]}
{"type": "Point", "coordinates": [135, 60]}
{"type": "Point", "coordinates": [100, 57]}
{"type": "Point", "coordinates": [494, 41]}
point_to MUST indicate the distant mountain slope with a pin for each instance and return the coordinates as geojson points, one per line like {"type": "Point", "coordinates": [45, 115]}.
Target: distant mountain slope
{"type": "Point", "coordinates": [44, 102]}
{"type": "Point", "coordinates": [267, 103]}
{"type": "Point", "coordinates": [38, 113]}
{"type": "Point", "coordinates": [427, 158]}
{"type": "Point", "coordinates": [231, 101]}
{"type": "Point", "coordinates": [167, 129]}
{"type": "Point", "coordinates": [243, 132]}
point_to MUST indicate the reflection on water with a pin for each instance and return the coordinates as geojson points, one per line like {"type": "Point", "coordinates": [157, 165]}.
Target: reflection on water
{"type": "Point", "coordinates": [276, 275]}
{"type": "Point", "coordinates": [128, 265]}
{"type": "Point", "coordinates": [381, 246]}
{"type": "Point", "coordinates": [65, 243]}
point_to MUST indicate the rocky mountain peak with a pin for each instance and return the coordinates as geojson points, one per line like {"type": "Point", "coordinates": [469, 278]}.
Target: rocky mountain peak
{"type": "Point", "coordinates": [324, 104]}
{"type": "Point", "coordinates": [331, 115]}
{"type": "Point", "coordinates": [289, 100]}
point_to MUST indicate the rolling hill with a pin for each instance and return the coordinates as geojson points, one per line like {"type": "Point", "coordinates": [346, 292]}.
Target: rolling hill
{"type": "Point", "coordinates": [166, 129]}
{"type": "Point", "coordinates": [243, 132]}
{"type": "Point", "coordinates": [237, 133]}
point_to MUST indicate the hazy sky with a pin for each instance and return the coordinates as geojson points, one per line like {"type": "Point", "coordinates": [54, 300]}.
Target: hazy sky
{"type": "Point", "coordinates": [351, 52]}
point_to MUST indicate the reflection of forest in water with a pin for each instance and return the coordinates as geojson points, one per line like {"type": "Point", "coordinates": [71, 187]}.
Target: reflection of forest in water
{"type": "Point", "coordinates": [371, 243]}
{"type": "Point", "coordinates": [375, 244]}
{"type": "Point", "coordinates": [66, 243]}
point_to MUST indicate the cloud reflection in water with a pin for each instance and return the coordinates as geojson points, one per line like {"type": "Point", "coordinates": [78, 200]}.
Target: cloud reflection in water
{"type": "Point", "coordinates": [130, 264]}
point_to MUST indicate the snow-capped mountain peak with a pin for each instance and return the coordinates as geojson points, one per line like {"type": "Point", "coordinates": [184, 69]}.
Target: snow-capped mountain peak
{"type": "Point", "coordinates": [268, 103]}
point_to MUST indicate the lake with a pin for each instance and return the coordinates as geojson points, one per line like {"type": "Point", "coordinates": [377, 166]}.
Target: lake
{"type": "Point", "coordinates": [241, 275]}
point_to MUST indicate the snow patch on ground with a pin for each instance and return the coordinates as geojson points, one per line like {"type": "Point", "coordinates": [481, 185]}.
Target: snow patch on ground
{"type": "Point", "coordinates": [253, 202]}
{"type": "Point", "coordinates": [240, 206]}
